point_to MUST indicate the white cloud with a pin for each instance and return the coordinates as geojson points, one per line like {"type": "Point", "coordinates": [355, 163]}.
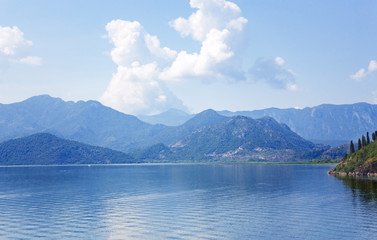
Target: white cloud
{"type": "Point", "coordinates": [362, 73]}
{"type": "Point", "coordinates": [279, 61]}
{"type": "Point", "coordinates": [145, 67]}
{"type": "Point", "coordinates": [133, 44]}
{"type": "Point", "coordinates": [292, 87]}
{"type": "Point", "coordinates": [217, 24]}
{"type": "Point", "coordinates": [372, 66]}
{"type": "Point", "coordinates": [274, 73]}
{"type": "Point", "coordinates": [31, 60]}
{"type": "Point", "coordinates": [204, 64]}
{"type": "Point", "coordinates": [211, 14]}
{"type": "Point", "coordinates": [136, 90]}
{"type": "Point", "coordinates": [359, 75]}
{"type": "Point", "coordinates": [11, 39]}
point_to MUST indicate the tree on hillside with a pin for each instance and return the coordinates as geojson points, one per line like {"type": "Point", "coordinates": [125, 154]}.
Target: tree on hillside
{"type": "Point", "coordinates": [359, 146]}
{"type": "Point", "coordinates": [368, 139]}
{"type": "Point", "coordinates": [374, 137]}
{"type": "Point", "coordinates": [352, 148]}
{"type": "Point", "coordinates": [363, 141]}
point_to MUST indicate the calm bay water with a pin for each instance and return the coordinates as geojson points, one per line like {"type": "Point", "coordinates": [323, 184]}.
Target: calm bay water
{"type": "Point", "coordinates": [185, 201]}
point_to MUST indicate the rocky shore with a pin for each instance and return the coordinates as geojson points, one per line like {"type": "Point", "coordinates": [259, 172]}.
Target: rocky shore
{"type": "Point", "coordinates": [351, 174]}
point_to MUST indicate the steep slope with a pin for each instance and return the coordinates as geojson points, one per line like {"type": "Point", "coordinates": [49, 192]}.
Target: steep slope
{"type": "Point", "coordinates": [324, 122]}
{"type": "Point", "coordinates": [89, 122]}
{"type": "Point", "coordinates": [45, 149]}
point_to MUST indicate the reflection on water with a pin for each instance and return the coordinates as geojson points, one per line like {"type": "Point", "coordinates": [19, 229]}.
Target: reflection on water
{"type": "Point", "coordinates": [362, 187]}
{"type": "Point", "coordinates": [184, 202]}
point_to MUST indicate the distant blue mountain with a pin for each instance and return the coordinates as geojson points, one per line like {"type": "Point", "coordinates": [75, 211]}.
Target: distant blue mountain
{"type": "Point", "coordinates": [88, 122]}
{"type": "Point", "coordinates": [324, 123]}
{"type": "Point", "coordinates": [92, 123]}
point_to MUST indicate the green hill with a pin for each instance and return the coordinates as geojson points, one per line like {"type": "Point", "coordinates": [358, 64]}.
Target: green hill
{"type": "Point", "coordinates": [236, 139]}
{"type": "Point", "coordinates": [361, 162]}
{"type": "Point", "coordinates": [47, 149]}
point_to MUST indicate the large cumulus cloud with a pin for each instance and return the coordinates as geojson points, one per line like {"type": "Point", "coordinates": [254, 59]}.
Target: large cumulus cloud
{"type": "Point", "coordinates": [145, 68]}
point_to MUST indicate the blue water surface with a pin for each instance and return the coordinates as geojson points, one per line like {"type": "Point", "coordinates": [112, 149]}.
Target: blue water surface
{"type": "Point", "coordinates": [185, 202]}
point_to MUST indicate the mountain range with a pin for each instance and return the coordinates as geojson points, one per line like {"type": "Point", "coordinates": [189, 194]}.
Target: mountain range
{"type": "Point", "coordinates": [327, 124]}
{"type": "Point", "coordinates": [205, 136]}
{"type": "Point", "coordinates": [88, 122]}
{"type": "Point", "coordinates": [92, 123]}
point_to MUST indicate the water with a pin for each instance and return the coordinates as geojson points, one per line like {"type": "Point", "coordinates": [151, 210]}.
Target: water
{"type": "Point", "coordinates": [185, 202]}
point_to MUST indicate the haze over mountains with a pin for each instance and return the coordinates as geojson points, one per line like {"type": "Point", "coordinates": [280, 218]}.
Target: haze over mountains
{"type": "Point", "coordinates": [172, 117]}
{"type": "Point", "coordinates": [88, 122]}
{"type": "Point", "coordinates": [207, 135]}
{"type": "Point", "coordinates": [91, 123]}
{"type": "Point", "coordinates": [328, 124]}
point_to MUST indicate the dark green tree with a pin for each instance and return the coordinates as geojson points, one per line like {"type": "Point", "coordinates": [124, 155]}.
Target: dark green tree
{"type": "Point", "coordinates": [359, 146]}
{"type": "Point", "coordinates": [374, 137]}
{"type": "Point", "coordinates": [363, 141]}
{"type": "Point", "coordinates": [368, 139]}
{"type": "Point", "coordinates": [352, 148]}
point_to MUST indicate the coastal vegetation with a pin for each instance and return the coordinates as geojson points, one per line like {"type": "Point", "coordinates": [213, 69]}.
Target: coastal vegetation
{"type": "Point", "coordinates": [362, 161]}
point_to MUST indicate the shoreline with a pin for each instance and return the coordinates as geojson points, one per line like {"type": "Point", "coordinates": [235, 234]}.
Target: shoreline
{"type": "Point", "coordinates": [351, 174]}
{"type": "Point", "coordinates": [169, 163]}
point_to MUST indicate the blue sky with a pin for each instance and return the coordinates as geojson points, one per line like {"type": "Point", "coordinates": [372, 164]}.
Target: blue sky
{"type": "Point", "coordinates": [234, 55]}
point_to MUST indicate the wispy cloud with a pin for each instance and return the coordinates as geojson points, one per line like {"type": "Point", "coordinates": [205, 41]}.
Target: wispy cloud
{"type": "Point", "coordinates": [274, 73]}
{"type": "Point", "coordinates": [11, 40]}
{"type": "Point", "coordinates": [31, 60]}
{"type": "Point", "coordinates": [362, 73]}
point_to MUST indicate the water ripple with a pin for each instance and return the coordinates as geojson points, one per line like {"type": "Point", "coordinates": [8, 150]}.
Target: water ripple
{"type": "Point", "coordinates": [183, 202]}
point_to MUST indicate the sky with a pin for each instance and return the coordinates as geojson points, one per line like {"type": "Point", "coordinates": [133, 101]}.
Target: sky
{"type": "Point", "coordinates": [144, 57]}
